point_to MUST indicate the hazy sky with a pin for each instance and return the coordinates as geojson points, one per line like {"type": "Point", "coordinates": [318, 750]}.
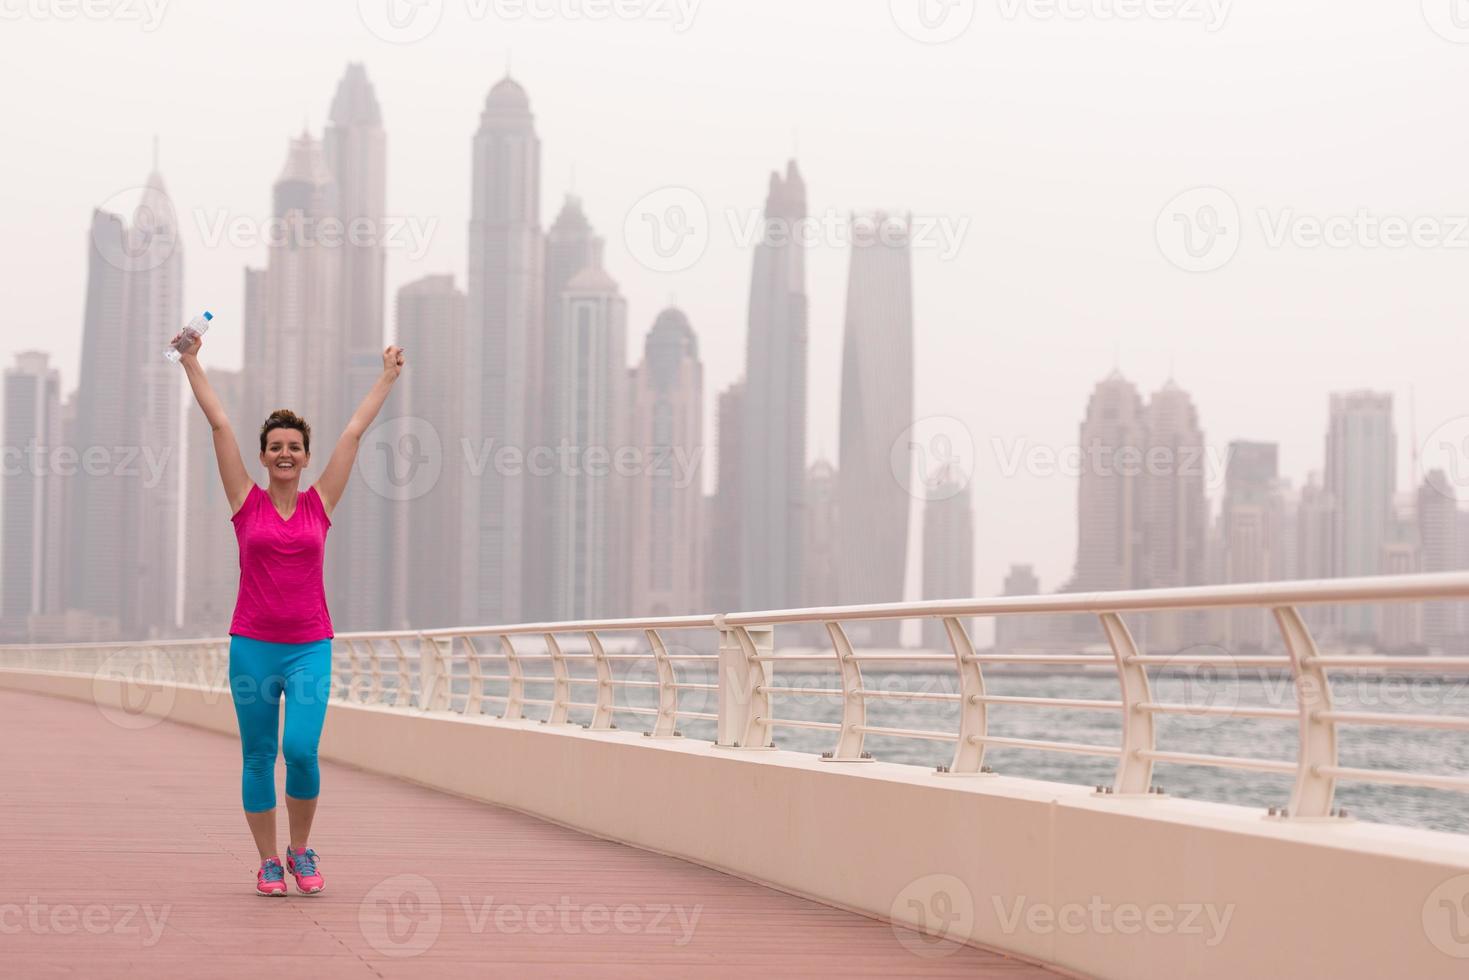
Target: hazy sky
{"type": "Point", "coordinates": [1055, 133]}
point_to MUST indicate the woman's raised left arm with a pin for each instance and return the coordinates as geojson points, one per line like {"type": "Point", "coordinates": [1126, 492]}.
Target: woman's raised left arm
{"type": "Point", "coordinates": [334, 478]}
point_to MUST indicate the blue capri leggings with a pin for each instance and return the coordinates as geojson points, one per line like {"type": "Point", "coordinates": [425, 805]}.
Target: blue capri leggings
{"type": "Point", "coordinates": [261, 674]}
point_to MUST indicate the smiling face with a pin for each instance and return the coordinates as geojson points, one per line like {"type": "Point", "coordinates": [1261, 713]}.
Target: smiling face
{"type": "Point", "coordinates": [285, 455]}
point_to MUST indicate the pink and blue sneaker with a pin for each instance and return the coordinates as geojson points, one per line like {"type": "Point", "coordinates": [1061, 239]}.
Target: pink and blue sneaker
{"type": "Point", "coordinates": [271, 878]}
{"type": "Point", "coordinates": [302, 864]}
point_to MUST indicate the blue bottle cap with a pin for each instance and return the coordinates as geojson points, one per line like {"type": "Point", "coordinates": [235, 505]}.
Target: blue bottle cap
{"type": "Point", "coordinates": [208, 315]}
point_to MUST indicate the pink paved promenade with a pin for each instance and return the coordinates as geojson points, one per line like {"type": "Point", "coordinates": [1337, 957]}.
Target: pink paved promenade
{"type": "Point", "coordinates": [126, 855]}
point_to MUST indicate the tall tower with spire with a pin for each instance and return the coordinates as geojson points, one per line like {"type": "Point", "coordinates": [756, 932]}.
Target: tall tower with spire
{"type": "Point", "coordinates": [1109, 496]}
{"type": "Point", "coordinates": [773, 436]}
{"type": "Point", "coordinates": [876, 407]}
{"type": "Point", "coordinates": [123, 529]}
{"type": "Point", "coordinates": [293, 338]}
{"type": "Point", "coordinates": [571, 246]}
{"type": "Point", "coordinates": [503, 308]}
{"type": "Point", "coordinates": [365, 585]}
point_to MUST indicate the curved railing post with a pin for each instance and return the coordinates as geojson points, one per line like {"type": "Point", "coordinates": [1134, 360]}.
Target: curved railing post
{"type": "Point", "coordinates": [515, 690]}
{"type": "Point", "coordinates": [744, 705]}
{"type": "Point", "coordinates": [854, 704]}
{"type": "Point", "coordinates": [1139, 734]}
{"type": "Point", "coordinates": [354, 673]}
{"type": "Point", "coordinates": [973, 711]}
{"type": "Point", "coordinates": [375, 685]}
{"type": "Point", "coordinates": [403, 697]}
{"type": "Point", "coordinates": [1314, 790]}
{"type": "Point", "coordinates": [474, 700]}
{"type": "Point", "coordinates": [435, 675]}
{"type": "Point", "coordinates": [602, 713]}
{"type": "Point", "coordinates": [560, 687]}
{"type": "Point", "coordinates": [666, 722]}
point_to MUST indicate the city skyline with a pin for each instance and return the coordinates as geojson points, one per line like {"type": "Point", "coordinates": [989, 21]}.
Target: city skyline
{"type": "Point", "coordinates": [1058, 278]}
{"type": "Point", "coordinates": [308, 177]}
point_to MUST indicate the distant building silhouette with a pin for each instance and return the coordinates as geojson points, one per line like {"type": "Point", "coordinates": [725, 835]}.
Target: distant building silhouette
{"type": "Point", "coordinates": [1361, 472]}
{"type": "Point", "coordinates": [1110, 495]}
{"type": "Point", "coordinates": [503, 308]}
{"type": "Point", "coordinates": [1175, 511]}
{"type": "Point", "coordinates": [1253, 539]}
{"type": "Point", "coordinates": [665, 534]}
{"type": "Point", "coordinates": [876, 408]}
{"type": "Point", "coordinates": [823, 530]}
{"type": "Point", "coordinates": [121, 540]}
{"type": "Point", "coordinates": [588, 355]}
{"type": "Point", "coordinates": [1018, 633]}
{"type": "Point", "coordinates": [570, 247]}
{"type": "Point", "coordinates": [723, 580]}
{"type": "Point", "coordinates": [1438, 529]}
{"type": "Point", "coordinates": [948, 553]}
{"type": "Point", "coordinates": [773, 440]}
{"type": "Point", "coordinates": [211, 556]}
{"type": "Point", "coordinates": [364, 571]}
{"type": "Point", "coordinates": [430, 323]}
{"type": "Point", "coordinates": [31, 497]}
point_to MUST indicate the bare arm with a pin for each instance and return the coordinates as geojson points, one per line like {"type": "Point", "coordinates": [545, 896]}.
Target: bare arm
{"type": "Point", "coordinates": [334, 478]}
{"type": "Point", "coordinates": [226, 451]}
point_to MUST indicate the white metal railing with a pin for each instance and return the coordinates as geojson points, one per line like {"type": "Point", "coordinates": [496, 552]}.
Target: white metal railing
{"type": "Point", "coordinates": [417, 670]}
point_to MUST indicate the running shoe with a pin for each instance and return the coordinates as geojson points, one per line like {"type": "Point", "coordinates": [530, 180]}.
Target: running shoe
{"type": "Point", "coordinates": [302, 864]}
{"type": "Point", "coordinates": [271, 879]}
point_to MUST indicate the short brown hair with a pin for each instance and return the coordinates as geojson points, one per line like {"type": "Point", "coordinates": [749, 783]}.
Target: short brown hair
{"type": "Point", "coordinates": [284, 418]}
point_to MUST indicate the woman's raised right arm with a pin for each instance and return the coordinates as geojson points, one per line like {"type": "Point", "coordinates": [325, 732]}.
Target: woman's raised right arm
{"type": "Point", "coordinates": [226, 451]}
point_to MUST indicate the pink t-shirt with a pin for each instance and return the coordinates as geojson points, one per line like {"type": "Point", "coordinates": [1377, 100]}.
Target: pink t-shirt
{"type": "Point", "coordinates": [282, 599]}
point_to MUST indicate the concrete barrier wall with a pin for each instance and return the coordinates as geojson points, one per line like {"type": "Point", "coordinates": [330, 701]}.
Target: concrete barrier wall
{"type": "Point", "coordinates": [1102, 886]}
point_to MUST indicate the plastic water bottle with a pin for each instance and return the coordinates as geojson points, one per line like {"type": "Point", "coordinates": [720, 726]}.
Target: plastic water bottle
{"type": "Point", "coordinates": [196, 327]}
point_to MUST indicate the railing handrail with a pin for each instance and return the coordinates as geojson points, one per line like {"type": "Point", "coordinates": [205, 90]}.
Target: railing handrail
{"type": "Point", "coordinates": [424, 670]}
{"type": "Point", "coordinates": [1376, 588]}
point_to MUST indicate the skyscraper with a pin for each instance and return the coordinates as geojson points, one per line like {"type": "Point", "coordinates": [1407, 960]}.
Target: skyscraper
{"type": "Point", "coordinates": [30, 496]}
{"type": "Point", "coordinates": [1438, 531]}
{"type": "Point", "coordinates": [294, 353]}
{"type": "Point", "coordinates": [1400, 624]}
{"type": "Point", "coordinates": [948, 551]}
{"type": "Point", "coordinates": [589, 355]}
{"type": "Point", "coordinates": [431, 324]}
{"type": "Point", "coordinates": [1016, 633]}
{"type": "Point", "coordinates": [723, 580]}
{"type": "Point", "coordinates": [1361, 477]}
{"type": "Point", "coordinates": [122, 539]}
{"type": "Point", "coordinates": [571, 246]}
{"type": "Point", "coordinates": [1252, 534]}
{"type": "Point", "coordinates": [502, 309]}
{"type": "Point", "coordinates": [665, 499]}
{"type": "Point", "coordinates": [876, 408]}
{"type": "Point", "coordinates": [211, 558]}
{"type": "Point", "coordinates": [1175, 510]}
{"type": "Point", "coordinates": [1110, 492]}
{"type": "Point", "coordinates": [773, 472]}
{"type": "Point", "coordinates": [364, 572]}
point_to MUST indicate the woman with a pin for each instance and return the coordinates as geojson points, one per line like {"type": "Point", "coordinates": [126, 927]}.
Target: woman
{"type": "Point", "coordinates": [281, 633]}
